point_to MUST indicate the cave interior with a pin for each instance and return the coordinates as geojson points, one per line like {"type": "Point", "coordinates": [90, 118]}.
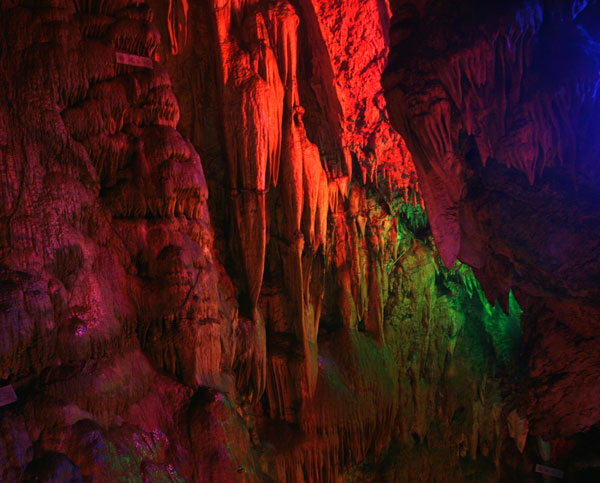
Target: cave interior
{"type": "Point", "coordinates": [299, 240]}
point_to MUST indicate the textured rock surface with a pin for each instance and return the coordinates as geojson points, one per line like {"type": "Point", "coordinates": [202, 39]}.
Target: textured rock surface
{"type": "Point", "coordinates": [215, 265]}
{"type": "Point", "coordinates": [498, 106]}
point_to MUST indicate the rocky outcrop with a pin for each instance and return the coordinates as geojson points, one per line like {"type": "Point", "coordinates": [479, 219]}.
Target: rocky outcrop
{"type": "Point", "coordinates": [497, 104]}
{"type": "Point", "coordinates": [112, 310]}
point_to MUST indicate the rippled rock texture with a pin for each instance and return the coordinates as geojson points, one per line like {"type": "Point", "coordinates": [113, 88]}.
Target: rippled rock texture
{"type": "Point", "coordinates": [215, 265]}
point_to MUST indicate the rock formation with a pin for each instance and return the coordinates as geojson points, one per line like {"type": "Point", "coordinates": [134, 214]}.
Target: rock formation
{"type": "Point", "coordinates": [216, 265]}
{"type": "Point", "coordinates": [498, 108]}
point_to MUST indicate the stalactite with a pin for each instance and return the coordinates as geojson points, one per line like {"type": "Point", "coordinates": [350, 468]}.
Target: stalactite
{"type": "Point", "coordinates": [128, 347]}
{"type": "Point", "coordinates": [285, 360]}
{"type": "Point", "coordinates": [284, 24]}
{"type": "Point", "coordinates": [316, 194]}
{"type": "Point", "coordinates": [251, 356]}
{"type": "Point", "coordinates": [252, 90]}
{"type": "Point", "coordinates": [177, 23]}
